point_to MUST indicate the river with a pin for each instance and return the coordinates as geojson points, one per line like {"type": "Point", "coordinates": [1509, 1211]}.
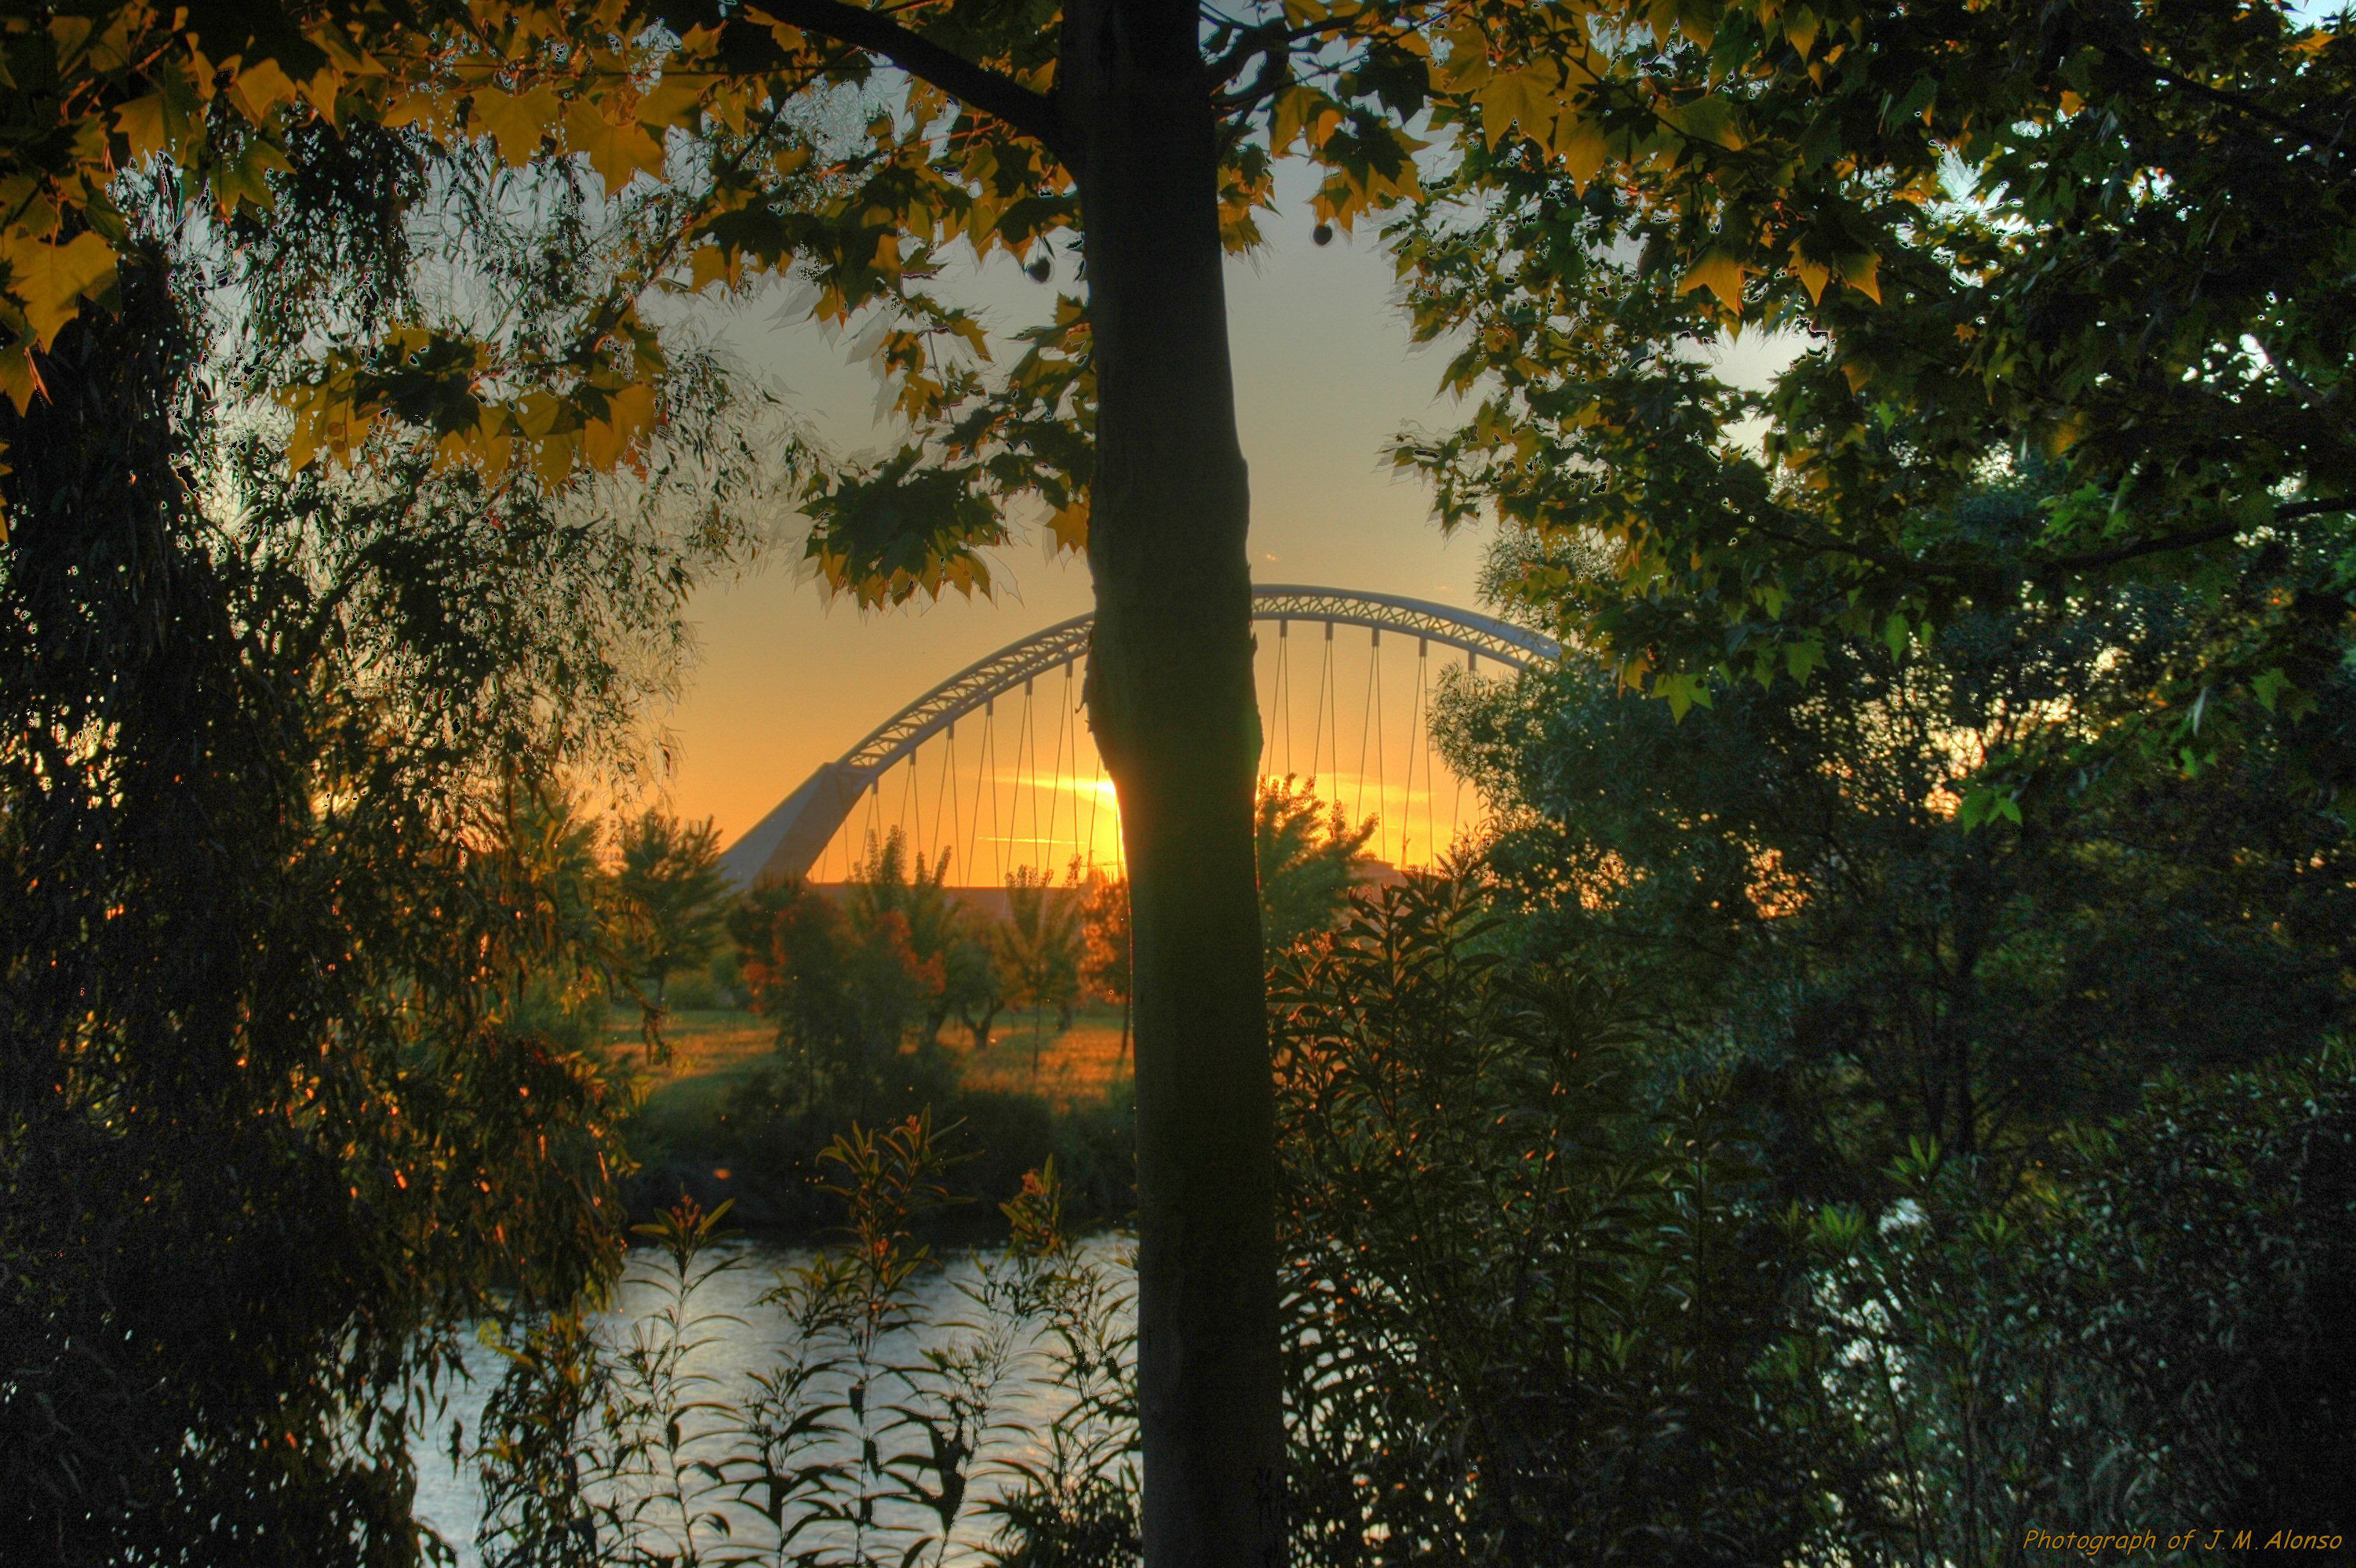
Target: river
{"type": "Point", "coordinates": [976, 1341]}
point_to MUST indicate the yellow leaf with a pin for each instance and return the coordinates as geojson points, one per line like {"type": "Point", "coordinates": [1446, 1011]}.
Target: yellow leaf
{"type": "Point", "coordinates": [536, 414]}
{"type": "Point", "coordinates": [1719, 272]}
{"type": "Point", "coordinates": [1578, 143]}
{"type": "Point", "coordinates": [710, 263]}
{"type": "Point", "coordinates": [1858, 373]}
{"type": "Point", "coordinates": [260, 89]}
{"type": "Point", "coordinates": [68, 34]}
{"type": "Point", "coordinates": [141, 123]}
{"type": "Point", "coordinates": [1863, 273]}
{"type": "Point", "coordinates": [1302, 113]}
{"type": "Point", "coordinates": [19, 377]}
{"type": "Point", "coordinates": [551, 457]}
{"type": "Point", "coordinates": [729, 103]}
{"type": "Point", "coordinates": [674, 100]}
{"type": "Point", "coordinates": [631, 410]}
{"type": "Point", "coordinates": [1467, 66]}
{"type": "Point", "coordinates": [1070, 525]}
{"type": "Point", "coordinates": [628, 412]}
{"type": "Point", "coordinates": [618, 153]}
{"type": "Point", "coordinates": [515, 120]}
{"type": "Point", "coordinates": [51, 280]}
{"type": "Point", "coordinates": [301, 444]}
{"type": "Point", "coordinates": [320, 91]}
{"type": "Point", "coordinates": [430, 108]}
{"type": "Point", "coordinates": [1800, 30]}
{"type": "Point", "coordinates": [1708, 119]}
{"type": "Point", "coordinates": [495, 439]}
{"type": "Point", "coordinates": [1523, 98]}
{"type": "Point", "coordinates": [1813, 275]}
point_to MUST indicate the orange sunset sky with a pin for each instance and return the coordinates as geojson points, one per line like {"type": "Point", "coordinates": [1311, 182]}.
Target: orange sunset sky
{"type": "Point", "coordinates": [1325, 374]}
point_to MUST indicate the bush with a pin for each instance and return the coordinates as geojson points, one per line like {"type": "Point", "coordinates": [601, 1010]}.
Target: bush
{"type": "Point", "coordinates": [1524, 1305]}
{"type": "Point", "coordinates": [989, 1141]}
{"type": "Point", "coordinates": [2141, 1333]}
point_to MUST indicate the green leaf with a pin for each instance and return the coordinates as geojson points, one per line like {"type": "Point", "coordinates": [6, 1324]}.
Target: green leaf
{"type": "Point", "coordinates": [1681, 693]}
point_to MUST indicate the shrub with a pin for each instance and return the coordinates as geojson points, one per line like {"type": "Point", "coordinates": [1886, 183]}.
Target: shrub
{"type": "Point", "coordinates": [1524, 1305]}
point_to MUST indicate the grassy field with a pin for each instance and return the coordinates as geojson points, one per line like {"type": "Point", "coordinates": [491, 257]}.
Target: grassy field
{"type": "Point", "coordinates": [714, 1051]}
{"type": "Point", "coordinates": [1075, 1068]}
{"type": "Point", "coordinates": [711, 1053]}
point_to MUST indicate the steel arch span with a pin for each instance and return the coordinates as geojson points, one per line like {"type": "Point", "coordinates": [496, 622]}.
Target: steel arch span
{"type": "Point", "coordinates": [789, 840]}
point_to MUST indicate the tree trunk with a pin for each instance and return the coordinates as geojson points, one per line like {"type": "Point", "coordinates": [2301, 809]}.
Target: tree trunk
{"type": "Point", "coordinates": [1171, 700]}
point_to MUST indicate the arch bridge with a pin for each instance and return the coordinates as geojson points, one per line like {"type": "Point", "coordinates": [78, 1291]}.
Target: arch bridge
{"type": "Point", "coordinates": [791, 839]}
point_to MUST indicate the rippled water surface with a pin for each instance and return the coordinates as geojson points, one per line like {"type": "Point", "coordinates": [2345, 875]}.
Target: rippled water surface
{"type": "Point", "coordinates": [742, 1336]}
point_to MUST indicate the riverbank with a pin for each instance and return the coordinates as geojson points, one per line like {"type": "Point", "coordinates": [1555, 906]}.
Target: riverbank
{"type": "Point", "coordinates": [708, 1129]}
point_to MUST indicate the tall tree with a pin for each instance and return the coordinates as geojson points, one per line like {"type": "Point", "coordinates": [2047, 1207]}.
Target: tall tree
{"type": "Point", "coordinates": [1785, 873]}
{"type": "Point", "coordinates": [1105, 931]}
{"type": "Point", "coordinates": [1041, 949]}
{"type": "Point", "coordinates": [276, 1118]}
{"type": "Point", "coordinates": [1309, 856]}
{"type": "Point", "coordinates": [281, 1113]}
{"type": "Point", "coordinates": [672, 893]}
{"type": "Point", "coordinates": [887, 882]}
{"type": "Point", "coordinates": [1141, 132]}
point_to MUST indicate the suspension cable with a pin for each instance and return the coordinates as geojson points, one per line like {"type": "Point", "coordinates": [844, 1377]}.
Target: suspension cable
{"type": "Point", "coordinates": [1317, 731]}
{"type": "Point", "coordinates": [1027, 761]}
{"type": "Point", "coordinates": [989, 771]}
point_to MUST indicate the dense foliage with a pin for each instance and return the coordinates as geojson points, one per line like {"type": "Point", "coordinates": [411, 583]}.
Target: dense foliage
{"type": "Point", "coordinates": [1791, 867]}
{"type": "Point", "coordinates": [300, 932]}
{"type": "Point", "coordinates": [1309, 855]}
{"type": "Point", "coordinates": [271, 1124]}
{"type": "Point", "coordinates": [1545, 1303]}
{"type": "Point", "coordinates": [859, 987]}
{"type": "Point", "coordinates": [1861, 1109]}
{"type": "Point", "coordinates": [669, 886]}
{"type": "Point", "coordinates": [1525, 1304]}
{"type": "Point", "coordinates": [1548, 1304]}
{"type": "Point", "coordinates": [2113, 240]}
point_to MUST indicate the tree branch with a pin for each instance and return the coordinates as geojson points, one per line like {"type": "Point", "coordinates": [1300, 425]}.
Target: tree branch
{"type": "Point", "coordinates": [2298, 509]}
{"type": "Point", "coordinates": [1034, 114]}
{"type": "Point", "coordinates": [1271, 40]}
{"type": "Point", "coordinates": [2193, 537]}
{"type": "Point", "coordinates": [2132, 55]}
{"type": "Point", "coordinates": [2096, 559]}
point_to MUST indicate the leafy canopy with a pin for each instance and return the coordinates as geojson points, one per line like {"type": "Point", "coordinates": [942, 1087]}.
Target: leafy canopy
{"type": "Point", "coordinates": [2105, 244]}
{"type": "Point", "coordinates": [709, 114]}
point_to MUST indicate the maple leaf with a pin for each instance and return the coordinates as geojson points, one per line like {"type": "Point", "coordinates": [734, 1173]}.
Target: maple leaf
{"type": "Point", "coordinates": [51, 280]}
{"type": "Point", "coordinates": [1720, 273]}
{"type": "Point", "coordinates": [515, 120]}
{"type": "Point", "coordinates": [619, 152]}
{"type": "Point", "coordinates": [1578, 143]}
{"type": "Point", "coordinates": [1526, 98]}
{"type": "Point", "coordinates": [1070, 524]}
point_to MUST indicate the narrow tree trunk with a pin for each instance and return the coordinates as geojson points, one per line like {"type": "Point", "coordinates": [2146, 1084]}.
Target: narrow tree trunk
{"type": "Point", "coordinates": [1171, 699]}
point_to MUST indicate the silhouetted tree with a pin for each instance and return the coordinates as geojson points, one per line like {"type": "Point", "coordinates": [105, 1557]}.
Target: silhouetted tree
{"type": "Point", "coordinates": [1309, 855]}
{"type": "Point", "coordinates": [888, 881]}
{"type": "Point", "coordinates": [1040, 949]}
{"type": "Point", "coordinates": [672, 895]}
{"type": "Point", "coordinates": [1104, 963]}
